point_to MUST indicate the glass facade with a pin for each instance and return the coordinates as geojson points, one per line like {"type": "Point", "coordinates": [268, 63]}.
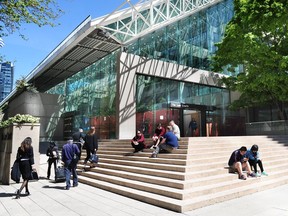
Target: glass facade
{"type": "Point", "coordinates": [160, 100]}
{"type": "Point", "coordinates": [190, 41]}
{"type": "Point", "coordinates": [90, 94]}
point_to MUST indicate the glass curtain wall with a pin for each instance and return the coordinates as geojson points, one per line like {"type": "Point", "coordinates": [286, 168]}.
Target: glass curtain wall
{"type": "Point", "coordinates": [154, 96]}
{"type": "Point", "coordinates": [91, 95]}
{"type": "Point", "coordinates": [190, 41]}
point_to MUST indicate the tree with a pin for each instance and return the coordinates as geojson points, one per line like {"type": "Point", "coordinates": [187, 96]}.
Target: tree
{"type": "Point", "coordinates": [13, 13]}
{"type": "Point", "coordinates": [256, 41]}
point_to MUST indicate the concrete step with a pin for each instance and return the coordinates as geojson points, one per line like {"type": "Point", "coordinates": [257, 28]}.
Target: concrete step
{"type": "Point", "coordinates": [140, 170]}
{"type": "Point", "coordinates": [154, 199]}
{"type": "Point", "coordinates": [191, 177]}
{"type": "Point", "coordinates": [232, 193]}
{"type": "Point", "coordinates": [145, 159]}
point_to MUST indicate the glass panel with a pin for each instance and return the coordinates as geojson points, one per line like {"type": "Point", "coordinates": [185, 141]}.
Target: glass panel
{"type": "Point", "coordinates": [154, 96]}
{"type": "Point", "coordinates": [190, 41]}
{"type": "Point", "coordinates": [91, 95]}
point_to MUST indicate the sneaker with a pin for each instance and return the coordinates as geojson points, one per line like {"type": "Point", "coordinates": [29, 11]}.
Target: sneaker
{"type": "Point", "coordinates": [258, 174]}
{"type": "Point", "coordinates": [252, 175]}
{"type": "Point", "coordinates": [264, 173]}
{"type": "Point", "coordinates": [243, 177]}
{"type": "Point", "coordinates": [153, 156]}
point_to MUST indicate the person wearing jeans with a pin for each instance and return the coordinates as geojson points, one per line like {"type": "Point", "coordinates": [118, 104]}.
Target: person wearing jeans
{"type": "Point", "coordinates": [168, 143]}
{"type": "Point", "coordinates": [68, 154]}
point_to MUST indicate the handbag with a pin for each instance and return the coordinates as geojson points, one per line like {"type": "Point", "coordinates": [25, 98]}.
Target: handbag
{"type": "Point", "coordinates": [94, 158]}
{"type": "Point", "coordinates": [34, 175]}
{"type": "Point", "coordinates": [15, 172]}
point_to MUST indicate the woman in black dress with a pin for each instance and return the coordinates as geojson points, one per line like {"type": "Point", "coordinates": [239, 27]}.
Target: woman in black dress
{"type": "Point", "coordinates": [25, 156]}
{"type": "Point", "coordinates": [91, 145]}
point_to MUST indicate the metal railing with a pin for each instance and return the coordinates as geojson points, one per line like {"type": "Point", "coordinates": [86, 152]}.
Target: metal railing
{"type": "Point", "coordinates": [267, 128]}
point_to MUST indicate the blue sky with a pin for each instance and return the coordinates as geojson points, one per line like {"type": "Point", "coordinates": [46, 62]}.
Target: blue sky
{"type": "Point", "coordinates": [27, 54]}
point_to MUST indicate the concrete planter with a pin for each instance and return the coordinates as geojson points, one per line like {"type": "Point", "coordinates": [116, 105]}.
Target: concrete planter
{"type": "Point", "coordinates": [10, 139]}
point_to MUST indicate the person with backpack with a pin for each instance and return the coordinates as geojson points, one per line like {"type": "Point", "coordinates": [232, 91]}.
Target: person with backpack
{"type": "Point", "coordinates": [79, 140]}
{"type": "Point", "coordinates": [53, 154]}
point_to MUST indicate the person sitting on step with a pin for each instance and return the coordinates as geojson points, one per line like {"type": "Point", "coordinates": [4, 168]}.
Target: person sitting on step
{"type": "Point", "coordinates": [168, 144]}
{"type": "Point", "coordinates": [238, 162]}
{"type": "Point", "coordinates": [158, 135]}
{"type": "Point", "coordinates": [254, 159]}
{"type": "Point", "coordinates": [138, 142]}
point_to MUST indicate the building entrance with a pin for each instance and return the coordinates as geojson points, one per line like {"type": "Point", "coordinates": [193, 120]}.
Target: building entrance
{"type": "Point", "coordinates": [192, 123]}
{"type": "Point", "coordinates": [192, 118]}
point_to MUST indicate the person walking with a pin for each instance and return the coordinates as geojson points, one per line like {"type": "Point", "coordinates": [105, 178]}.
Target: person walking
{"type": "Point", "coordinates": [91, 145]}
{"type": "Point", "coordinates": [25, 157]}
{"type": "Point", "coordinates": [78, 139]}
{"type": "Point", "coordinates": [69, 151]}
{"type": "Point", "coordinates": [53, 154]}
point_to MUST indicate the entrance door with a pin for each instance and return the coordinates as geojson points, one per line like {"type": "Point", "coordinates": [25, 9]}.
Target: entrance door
{"type": "Point", "coordinates": [192, 123]}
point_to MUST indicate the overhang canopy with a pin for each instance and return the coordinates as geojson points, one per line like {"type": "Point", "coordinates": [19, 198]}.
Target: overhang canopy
{"type": "Point", "coordinates": [82, 48]}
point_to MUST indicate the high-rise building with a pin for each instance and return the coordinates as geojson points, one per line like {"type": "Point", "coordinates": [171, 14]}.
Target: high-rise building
{"type": "Point", "coordinates": [6, 79]}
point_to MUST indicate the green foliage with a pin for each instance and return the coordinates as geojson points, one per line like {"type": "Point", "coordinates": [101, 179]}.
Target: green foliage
{"type": "Point", "coordinates": [22, 85]}
{"type": "Point", "coordinates": [257, 39]}
{"type": "Point", "coordinates": [13, 13]}
{"type": "Point", "coordinates": [19, 119]}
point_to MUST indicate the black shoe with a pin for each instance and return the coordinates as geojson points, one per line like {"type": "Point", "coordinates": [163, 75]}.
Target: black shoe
{"type": "Point", "coordinates": [67, 188]}
{"type": "Point", "coordinates": [75, 185]}
{"type": "Point", "coordinates": [136, 151]}
{"type": "Point", "coordinates": [17, 194]}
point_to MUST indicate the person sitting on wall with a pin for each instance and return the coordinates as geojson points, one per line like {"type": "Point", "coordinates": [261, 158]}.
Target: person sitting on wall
{"type": "Point", "coordinates": [238, 162]}
{"type": "Point", "coordinates": [138, 142]}
{"type": "Point", "coordinates": [158, 135]}
{"type": "Point", "coordinates": [168, 144]}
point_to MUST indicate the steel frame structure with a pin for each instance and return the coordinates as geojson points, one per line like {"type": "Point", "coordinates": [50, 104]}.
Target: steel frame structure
{"type": "Point", "coordinates": [146, 16]}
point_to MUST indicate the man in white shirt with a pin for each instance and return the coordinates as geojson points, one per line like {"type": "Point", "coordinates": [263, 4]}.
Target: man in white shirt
{"type": "Point", "coordinates": [175, 128]}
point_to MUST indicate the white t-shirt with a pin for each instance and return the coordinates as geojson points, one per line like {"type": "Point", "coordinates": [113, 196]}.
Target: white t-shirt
{"type": "Point", "coordinates": [176, 131]}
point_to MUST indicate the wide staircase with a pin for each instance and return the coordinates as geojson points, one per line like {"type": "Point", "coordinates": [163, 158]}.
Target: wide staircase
{"type": "Point", "coordinates": [191, 177]}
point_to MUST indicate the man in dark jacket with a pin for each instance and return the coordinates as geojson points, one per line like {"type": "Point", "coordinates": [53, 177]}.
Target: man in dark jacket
{"type": "Point", "coordinates": [78, 139]}
{"type": "Point", "coordinates": [237, 163]}
{"type": "Point", "coordinates": [69, 151]}
{"type": "Point", "coordinates": [53, 154]}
